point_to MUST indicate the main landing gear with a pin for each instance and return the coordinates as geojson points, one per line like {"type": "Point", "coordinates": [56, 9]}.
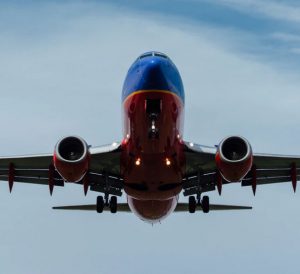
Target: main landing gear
{"type": "Point", "coordinates": [112, 203]}
{"type": "Point", "coordinates": [193, 203]}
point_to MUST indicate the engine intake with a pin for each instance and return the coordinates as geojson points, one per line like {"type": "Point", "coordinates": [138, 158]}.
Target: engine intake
{"type": "Point", "coordinates": [234, 158]}
{"type": "Point", "coordinates": [71, 158]}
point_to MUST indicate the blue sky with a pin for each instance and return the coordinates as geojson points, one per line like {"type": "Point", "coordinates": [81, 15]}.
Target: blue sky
{"type": "Point", "coordinates": [62, 66]}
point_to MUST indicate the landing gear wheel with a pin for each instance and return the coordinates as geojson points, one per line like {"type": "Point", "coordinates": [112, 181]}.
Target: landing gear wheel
{"type": "Point", "coordinates": [100, 204]}
{"type": "Point", "coordinates": [192, 204]}
{"type": "Point", "coordinates": [205, 204]}
{"type": "Point", "coordinates": [113, 204]}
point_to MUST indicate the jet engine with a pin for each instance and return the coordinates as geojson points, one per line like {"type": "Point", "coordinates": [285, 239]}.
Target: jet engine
{"type": "Point", "coordinates": [71, 158]}
{"type": "Point", "coordinates": [234, 158]}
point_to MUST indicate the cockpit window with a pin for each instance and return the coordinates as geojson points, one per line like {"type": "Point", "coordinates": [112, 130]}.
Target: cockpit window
{"type": "Point", "coordinates": [146, 55]}
{"type": "Point", "coordinates": [158, 54]}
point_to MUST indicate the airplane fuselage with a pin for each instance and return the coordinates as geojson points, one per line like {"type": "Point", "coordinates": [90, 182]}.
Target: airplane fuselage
{"type": "Point", "coordinates": [152, 161]}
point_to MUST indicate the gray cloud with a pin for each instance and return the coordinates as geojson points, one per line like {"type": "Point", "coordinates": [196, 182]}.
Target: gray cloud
{"type": "Point", "coordinates": [281, 10]}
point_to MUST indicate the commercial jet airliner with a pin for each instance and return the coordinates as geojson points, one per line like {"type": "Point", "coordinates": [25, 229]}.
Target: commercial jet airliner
{"type": "Point", "coordinates": [152, 164]}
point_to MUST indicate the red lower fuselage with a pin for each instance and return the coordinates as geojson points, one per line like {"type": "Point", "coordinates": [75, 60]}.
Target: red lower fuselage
{"type": "Point", "coordinates": [152, 161]}
{"type": "Point", "coordinates": [152, 166]}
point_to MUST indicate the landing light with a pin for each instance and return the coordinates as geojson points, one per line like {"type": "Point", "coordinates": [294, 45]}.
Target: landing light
{"type": "Point", "coordinates": [168, 162]}
{"type": "Point", "coordinates": [138, 162]}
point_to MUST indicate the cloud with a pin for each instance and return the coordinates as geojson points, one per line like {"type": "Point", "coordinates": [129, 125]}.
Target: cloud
{"type": "Point", "coordinates": [296, 50]}
{"type": "Point", "coordinates": [281, 10]}
{"type": "Point", "coordinates": [77, 67]}
{"type": "Point", "coordinates": [286, 37]}
{"type": "Point", "coordinates": [245, 26]}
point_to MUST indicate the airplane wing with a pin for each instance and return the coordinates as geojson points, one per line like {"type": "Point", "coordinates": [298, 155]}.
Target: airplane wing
{"type": "Point", "coordinates": [104, 173]}
{"type": "Point", "coordinates": [269, 168]}
{"type": "Point", "coordinates": [36, 169]}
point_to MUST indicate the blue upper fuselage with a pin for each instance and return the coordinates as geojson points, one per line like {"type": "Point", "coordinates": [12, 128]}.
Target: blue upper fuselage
{"type": "Point", "coordinates": [153, 71]}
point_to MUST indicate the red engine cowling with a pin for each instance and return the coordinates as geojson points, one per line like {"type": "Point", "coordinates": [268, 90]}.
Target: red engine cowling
{"type": "Point", "coordinates": [71, 158]}
{"type": "Point", "coordinates": [234, 158]}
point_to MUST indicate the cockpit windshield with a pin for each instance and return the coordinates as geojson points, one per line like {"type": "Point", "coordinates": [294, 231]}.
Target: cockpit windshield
{"type": "Point", "coordinates": [153, 53]}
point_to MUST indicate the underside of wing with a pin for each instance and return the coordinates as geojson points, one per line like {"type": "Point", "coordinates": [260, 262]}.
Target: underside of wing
{"type": "Point", "coordinates": [28, 169]}
{"type": "Point", "coordinates": [199, 158]}
{"type": "Point", "coordinates": [270, 169]}
{"type": "Point", "coordinates": [102, 175]}
{"type": "Point", "coordinates": [200, 169]}
{"type": "Point", "coordinates": [203, 173]}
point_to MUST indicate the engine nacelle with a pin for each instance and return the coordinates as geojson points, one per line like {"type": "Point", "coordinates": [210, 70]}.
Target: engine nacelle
{"type": "Point", "coordinates": [71, 158]}
{"type": "Point", "coordinates": [234, 158]}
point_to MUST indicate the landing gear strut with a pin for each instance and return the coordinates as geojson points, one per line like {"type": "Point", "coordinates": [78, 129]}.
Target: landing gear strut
{"type": "Point", "coordinates": [204, 203]}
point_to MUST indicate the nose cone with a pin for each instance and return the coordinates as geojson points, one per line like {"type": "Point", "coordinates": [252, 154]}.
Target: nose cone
{"type": "Point", "coordinates": [154, 75]}
{"type": "Point", "coordinates": [153, 71]}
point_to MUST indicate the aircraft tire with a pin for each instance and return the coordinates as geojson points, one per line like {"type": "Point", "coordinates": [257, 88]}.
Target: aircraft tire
{"type": "Point", "coordinates": [100, 204]}
{"type": "Point", "coordinates": [113, 204]}
{"type": "Point", "coordinates": [192, 204]}
{"type": "Point", "coordinates": [205, 204]}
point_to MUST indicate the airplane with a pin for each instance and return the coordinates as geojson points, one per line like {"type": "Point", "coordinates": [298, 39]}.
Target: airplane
{"type": "Point", "coordinates": [152, 164]}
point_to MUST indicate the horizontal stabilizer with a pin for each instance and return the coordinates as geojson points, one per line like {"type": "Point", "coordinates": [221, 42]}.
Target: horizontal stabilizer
{"type": "Point", "coordinates": [123, 207]}
{"type": "Point", "coordinates": [183, 207]}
